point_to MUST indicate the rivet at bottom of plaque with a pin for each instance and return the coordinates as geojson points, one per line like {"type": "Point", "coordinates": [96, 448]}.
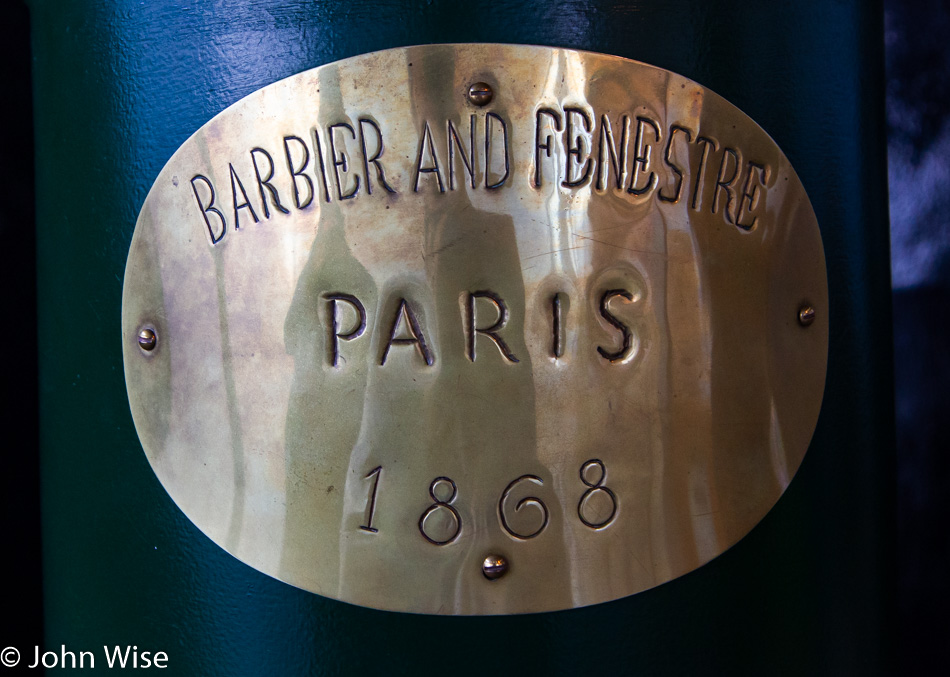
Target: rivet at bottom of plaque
{"type": "Point", "coordinates": [494, 567]}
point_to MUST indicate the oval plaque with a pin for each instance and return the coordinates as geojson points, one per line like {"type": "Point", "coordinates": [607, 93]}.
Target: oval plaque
{"type": "Point", "coordinates": [476, 329]}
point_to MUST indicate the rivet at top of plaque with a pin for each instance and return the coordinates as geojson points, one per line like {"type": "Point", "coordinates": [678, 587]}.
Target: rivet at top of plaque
{"type": "Point", "coordinates": [476, 329]}
{"type": "Point", "coordinates": [480, 94]}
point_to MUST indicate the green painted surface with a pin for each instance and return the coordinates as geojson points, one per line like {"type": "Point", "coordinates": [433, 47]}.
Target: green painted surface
{"type": "Point", "coordinates": [120, 85]}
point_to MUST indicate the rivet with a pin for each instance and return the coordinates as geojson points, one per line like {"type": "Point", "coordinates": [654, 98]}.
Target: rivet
{"type": "Point", "coordinates": [147, 339]}
{"type": "Point", "coordinates": [480, 93]}
{"type": "Point", "coordinates": [494, 567]}
{"type": "Point", "coordinates": [806, 315]}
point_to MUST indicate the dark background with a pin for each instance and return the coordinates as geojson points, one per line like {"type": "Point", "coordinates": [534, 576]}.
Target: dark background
{"type": "Point", "coordinates": [918, 103]}
{"type": "Point", "coordinates": [917, 39]}
{"type": "Point", "coordinates": [21, 608]}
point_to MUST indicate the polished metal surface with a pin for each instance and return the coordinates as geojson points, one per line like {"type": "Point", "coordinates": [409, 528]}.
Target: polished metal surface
{"type": "Point", "coordinates": [400, 330]}
{"type": "Point", "coordinates": [494, 567]}
{"type": "Point", "coordinates": [806, 316]}
{"type": "Point", "coordinates": [480, 94]}
{"type": "Point", "coordinates": [147, 339]}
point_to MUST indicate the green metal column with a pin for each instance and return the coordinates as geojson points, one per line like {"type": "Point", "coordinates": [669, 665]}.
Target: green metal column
{"type": "Point", "coordinates": [119, 85]}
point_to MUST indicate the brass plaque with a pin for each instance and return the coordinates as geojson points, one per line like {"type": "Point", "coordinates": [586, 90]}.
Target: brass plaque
{"type": "Point", "coordinates": [476, 329]}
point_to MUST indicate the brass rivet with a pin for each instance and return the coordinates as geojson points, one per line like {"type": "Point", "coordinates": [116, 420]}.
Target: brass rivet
{"type": "Point", "coordinates": [806, 315]}
{"type": "Point", "coordinates": [480, 93]}
{"type": "Point", "coordinates": [147, 339]}
{"type": "Point", "coordinates": [494, 567]}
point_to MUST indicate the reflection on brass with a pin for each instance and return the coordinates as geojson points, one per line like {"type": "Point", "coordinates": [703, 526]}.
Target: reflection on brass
{"type": "Point", "coordinates": [400, 330]}
{"type": "Point", "coordinates": [147, 339]}
{"type": "Point", "coordinates": [806, 315]}
{"type": "Point", "coordinates": [480, 94]}
{"type": "Point", "coordinates": [494, 567]}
